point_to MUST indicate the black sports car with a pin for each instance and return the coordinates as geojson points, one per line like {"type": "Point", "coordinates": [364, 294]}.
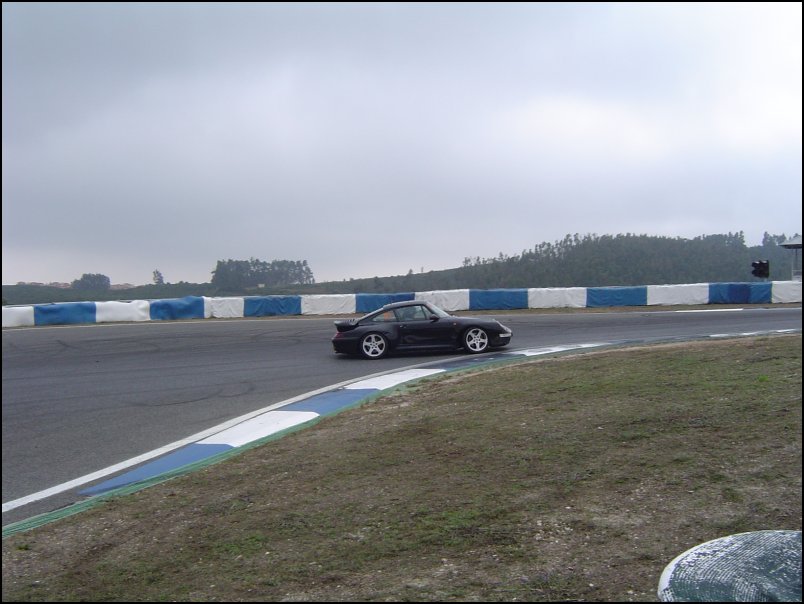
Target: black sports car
{"type": "Point", "coordinates": [416, 325]}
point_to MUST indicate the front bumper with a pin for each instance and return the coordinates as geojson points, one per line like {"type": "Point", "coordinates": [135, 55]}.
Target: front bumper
{"type": "Point", "coordinates": [501, 339]}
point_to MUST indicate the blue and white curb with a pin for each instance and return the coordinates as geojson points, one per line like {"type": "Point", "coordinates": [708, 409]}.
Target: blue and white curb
{"type": "Point", "coordinates": [264, 425]}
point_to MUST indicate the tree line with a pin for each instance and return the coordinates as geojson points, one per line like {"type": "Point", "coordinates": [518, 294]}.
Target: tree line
{"type": "Point", "coordinates": [575, 261]}
{"type": "Point", "coordinates": [228, 276]}
{"type": "Point", "coordinates": [239, 275]}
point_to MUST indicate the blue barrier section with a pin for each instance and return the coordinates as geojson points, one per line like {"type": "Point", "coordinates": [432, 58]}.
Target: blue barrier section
{"type": "Point", "coordinates": [64, 313]}
{"type": "Point", "coordinates": [267, 306]}
{"type": "Point", "coordinates": [729, 293]}
{"type": "Point", "coordinates": [365, 303]}
{"type": "Point", "coordinates": [497, 299]}
{"type": "Point", "coordinates": [616, 296]}
{"type": "Point", "coordinates": [761, 293]}
{"type": "Point", "coordinates": [190, 307]}
{"type": "Point", "coordinates": [739, 293]}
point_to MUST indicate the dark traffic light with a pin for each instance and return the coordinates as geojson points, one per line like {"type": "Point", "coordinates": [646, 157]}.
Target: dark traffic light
{"type": "Point", "coordinates": [761, 269]}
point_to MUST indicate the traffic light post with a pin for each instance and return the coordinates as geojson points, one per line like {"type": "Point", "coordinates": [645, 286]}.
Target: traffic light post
{"type": "Point", "coordinates": [761, 269]}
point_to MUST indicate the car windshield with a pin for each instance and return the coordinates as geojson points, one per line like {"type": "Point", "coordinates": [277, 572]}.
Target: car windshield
{"type": "Point", "coordinates": [438, 311]}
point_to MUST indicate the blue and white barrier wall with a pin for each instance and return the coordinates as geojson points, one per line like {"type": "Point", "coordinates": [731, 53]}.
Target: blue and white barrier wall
{"type": "Point", "coordinates": [199, 307]}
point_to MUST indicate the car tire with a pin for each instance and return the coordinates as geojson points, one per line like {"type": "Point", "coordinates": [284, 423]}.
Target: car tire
{"type": "Point", "coordinates": [475, 340]}
{"type": "Point", "coordinates": [373, 346]}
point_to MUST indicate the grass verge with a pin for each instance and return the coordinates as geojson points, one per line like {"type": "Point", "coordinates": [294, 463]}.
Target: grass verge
{"type": "Point", "coordinates": [571, 478]}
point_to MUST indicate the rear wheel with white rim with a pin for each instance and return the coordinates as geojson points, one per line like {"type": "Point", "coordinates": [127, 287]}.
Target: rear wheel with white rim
{"type": "Point", "coordinates": [373, 346]}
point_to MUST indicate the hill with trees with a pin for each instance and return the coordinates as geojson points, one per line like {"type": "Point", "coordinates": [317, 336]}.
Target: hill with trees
{"type": "Point", "coordinates": [575, 261]}
{"type": "Point", "coordinates": [593, 261]}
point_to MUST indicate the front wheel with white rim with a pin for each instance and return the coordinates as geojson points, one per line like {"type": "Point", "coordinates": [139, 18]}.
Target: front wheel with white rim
{"type": "Point", "coordinates": [475, 340]}
{"type": "Point", "coordinates": [373, 346]}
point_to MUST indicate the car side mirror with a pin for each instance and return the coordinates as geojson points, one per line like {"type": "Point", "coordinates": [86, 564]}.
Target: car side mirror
{"type": "Point", "coordinates": [433, 318]}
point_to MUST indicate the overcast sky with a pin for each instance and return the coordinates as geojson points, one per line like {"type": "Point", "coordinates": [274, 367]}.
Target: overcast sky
{"type": "Point", "coordinates": [371, 139]}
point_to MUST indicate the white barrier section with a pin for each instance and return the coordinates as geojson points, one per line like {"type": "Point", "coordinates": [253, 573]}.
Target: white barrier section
{"type": "Point", "coordinates": [224, 308]}
{"type": "Point", "coordinates": [668, 295]}
{"type": "Point", "coordinates": [781, 292]}
{"type": "Point", "coordinates": [18, 316]}
{"type": "Point", "coordinates": [552, 297]}
{"type": "Point", "coordinates": [449, 300]}
{"type": "Point", "coordinates": [110, 312]}
{"type": "Point", "coordinates": [332, 304]}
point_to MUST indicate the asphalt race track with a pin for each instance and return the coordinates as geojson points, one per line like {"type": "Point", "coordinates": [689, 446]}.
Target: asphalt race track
{"type": "Point", "coordinates": [81, 398]}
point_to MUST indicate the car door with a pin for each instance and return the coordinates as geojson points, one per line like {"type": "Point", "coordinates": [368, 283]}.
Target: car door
{"type": "Point", "coordinates": [418, 329]}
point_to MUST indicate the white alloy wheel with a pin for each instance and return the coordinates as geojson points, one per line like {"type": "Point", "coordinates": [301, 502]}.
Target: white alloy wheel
{"type": "Point", "coordinates": [475, 340]}
{"type": "Point", "coordinates": [373, 346]}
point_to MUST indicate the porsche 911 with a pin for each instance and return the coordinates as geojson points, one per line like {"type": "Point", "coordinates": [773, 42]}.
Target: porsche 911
{"type": "Point", "coordinates": [416, 326]}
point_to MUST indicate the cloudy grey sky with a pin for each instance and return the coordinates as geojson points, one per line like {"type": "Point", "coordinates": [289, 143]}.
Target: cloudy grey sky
{"type": "Point", "coordinates": [371, 138]}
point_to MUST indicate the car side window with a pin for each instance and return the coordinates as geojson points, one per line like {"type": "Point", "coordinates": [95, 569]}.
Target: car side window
{"type": "Point", "coordinates": [412, 313]}
{"type": "Point", "coordinates": [384, 317]}
{"type": "Point", "coordinates": [419, 313]}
